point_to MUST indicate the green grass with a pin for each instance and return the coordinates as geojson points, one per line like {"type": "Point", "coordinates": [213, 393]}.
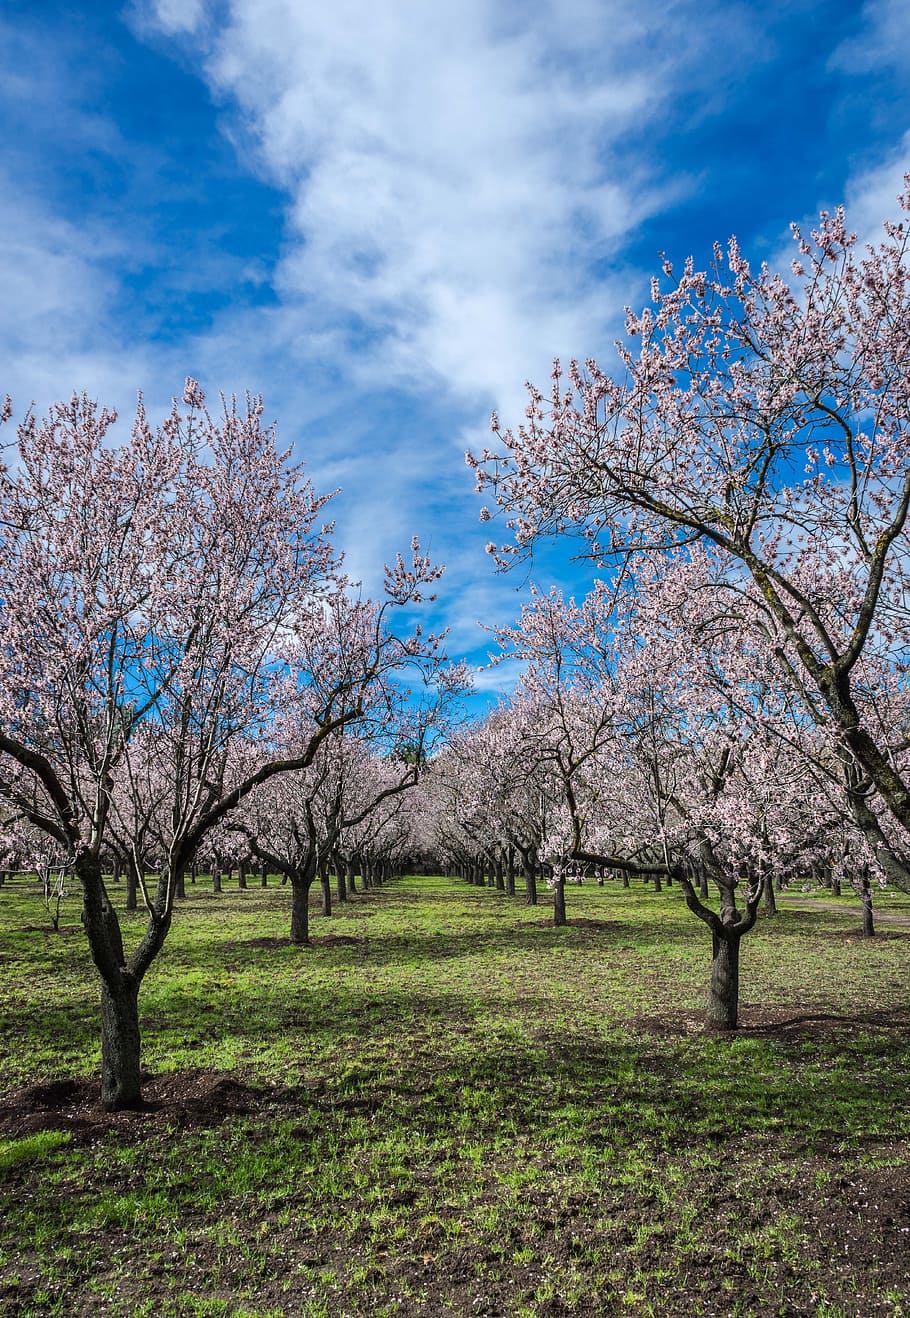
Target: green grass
{"type": "Point", "coordinates": [31, 1148]}
{"type": "Point", "coordinates": [468, 1111]}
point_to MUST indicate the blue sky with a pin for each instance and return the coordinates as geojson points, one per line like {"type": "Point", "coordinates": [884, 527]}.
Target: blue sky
{"type": "Point", "coordinates": [385, 217]}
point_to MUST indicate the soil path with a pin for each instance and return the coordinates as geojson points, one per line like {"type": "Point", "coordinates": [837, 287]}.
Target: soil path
{"type": "Point", "coordinates": [881, 917]}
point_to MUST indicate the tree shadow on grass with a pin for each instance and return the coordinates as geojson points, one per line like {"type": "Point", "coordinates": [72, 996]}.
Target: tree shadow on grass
{"type": "Point", "coordinates": [581, 934]}
{"type": "Point", "coordinates": [577, 1087]}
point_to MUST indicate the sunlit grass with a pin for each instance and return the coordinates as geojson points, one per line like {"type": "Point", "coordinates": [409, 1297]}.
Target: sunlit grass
{"type": "Point", "coordinates": [464, 1108]}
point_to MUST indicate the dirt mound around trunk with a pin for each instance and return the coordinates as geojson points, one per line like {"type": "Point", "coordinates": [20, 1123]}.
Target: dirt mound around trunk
{"type": "Point", "coordinates": [184, 1097]}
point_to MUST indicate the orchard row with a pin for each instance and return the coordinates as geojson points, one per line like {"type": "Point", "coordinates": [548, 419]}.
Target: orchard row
{"type": "Point", "coordinates": [187, 675]}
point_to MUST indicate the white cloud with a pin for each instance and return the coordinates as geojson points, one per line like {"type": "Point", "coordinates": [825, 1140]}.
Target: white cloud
{"type": "Point", "coordinates": [883, 38]}
{"type": "Point", "coordinates": [871, 195]}
{"type": "Point", "coordinates": [59, 292]}
{"type": "Point", "coordinates": [450, 177]}
{"type": "Point", "coordinates": [177, 16]}
{"type": "Point", "coordinates": [869, 198]}
{"type": "Point", "coordinates": [453, 174]}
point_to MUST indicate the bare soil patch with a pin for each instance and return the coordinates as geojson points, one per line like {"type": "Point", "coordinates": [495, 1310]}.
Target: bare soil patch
{"type": "Point", "coordinates": [866, 1218]}
{"type": "Point", "coordinates": [796, 1022]}
{"type": "Point", "coordinates": [183, 1097]}
{"type": "Point", "coordinates": [64, 930]}
{"type": "Point", "coordinates": [854, 936]}
{"type": "Point", "coordinates": [881, 917]}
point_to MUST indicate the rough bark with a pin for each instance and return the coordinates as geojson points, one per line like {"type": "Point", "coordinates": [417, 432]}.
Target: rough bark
{"type": "Point", "coordinates": [723, 996]}
{"type": "Point", "coordinates": [341, 883]}
{"type": "Point", "coordinates": [727, 931]}
{"type": "Point", "coordinates": [121, 1085]}
{"type": "Point", "coordinates": [132, 885]}
{"type": "Point", "coordinates": [559, 901]}
{"type": "Point", "coordinates": [120, 980]}
{"type": "Point", "coordinates": [868, 920]}
{"type": "Point", "coordinates": [300, 910]}
{"type": "Point", "coordinates": [894, 864]}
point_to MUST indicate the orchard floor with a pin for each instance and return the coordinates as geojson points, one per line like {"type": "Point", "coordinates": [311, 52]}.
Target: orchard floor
{"type": "Point", "coordinates": [447, 1106]}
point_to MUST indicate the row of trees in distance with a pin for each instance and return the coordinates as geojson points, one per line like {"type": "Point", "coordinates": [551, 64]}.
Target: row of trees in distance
{"type": "Point", "coordinates": [186, 672]}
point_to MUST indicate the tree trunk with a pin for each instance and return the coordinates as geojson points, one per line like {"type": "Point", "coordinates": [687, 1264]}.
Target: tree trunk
{"type": "Point", "coordinates": [216, 878]}
{"type": "Point", "coordinates": [767, 884]}
{"type": "Point", "coordinates": [352, 872]}
{"type": "Point", "coordinates": [727, 932]}
{"type": "Point", "coordinates": [300, 911]}
{"type": "Point", "coordinates": [723, 998]}
{"type": "Point", "coordinates": [264, 875]}
{"type": "Point", "coordinates": [510, 873]}
{"type": "Point", "coordinates": [728, 912]}
{"type": "Point", "coordinates": [341, 885]}
{"type": "Point", "coordinates": [559, 901]}
{"type": "Point", "coordinates": [868, 921]}
{"type": "Point", "coordinates": [530, 884]}
{"type": "Point", "coordinates": [180, 884]}
{"type": "Point", "coordinates": [325, 884]}
{"type": "Point", "coordinates": [241, 875]}
{"type": "Point", "coordinates": [120, 1076]}
{"type": "Point", "coordinates": [120, 1082]}
{"type": "Point", "coordinates": [132, 885]}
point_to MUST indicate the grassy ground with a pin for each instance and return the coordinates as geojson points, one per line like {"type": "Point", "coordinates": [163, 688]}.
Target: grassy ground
{"type": "Point", "coordinates": [450, 1107]}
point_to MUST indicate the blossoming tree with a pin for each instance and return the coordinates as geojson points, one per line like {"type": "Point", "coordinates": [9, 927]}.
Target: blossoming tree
{"type": "Point", "coordinates": [175, 584]}
{"type": "Point", "coordinates": [764, 424]}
